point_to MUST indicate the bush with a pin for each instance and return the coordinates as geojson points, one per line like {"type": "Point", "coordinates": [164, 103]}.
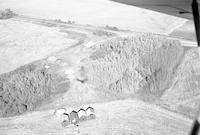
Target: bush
{"type": "Point", "coordinates": [111, 28]}
{"type": "Point", "coordinates": [6, 14]}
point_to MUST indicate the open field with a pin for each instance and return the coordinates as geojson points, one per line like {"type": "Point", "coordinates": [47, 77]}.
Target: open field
{"type": "Point", "coordinates": [117, 117]}
{"type": "Point", "coordinates": [22, 43]}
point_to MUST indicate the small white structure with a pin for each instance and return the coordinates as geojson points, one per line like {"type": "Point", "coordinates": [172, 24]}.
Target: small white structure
{"type": "Point", "coordinates": [47, 66]}
{"type": "Point", "coordinates": [82, 115]}
{"type": "Point", "coordinates": [70, 73]}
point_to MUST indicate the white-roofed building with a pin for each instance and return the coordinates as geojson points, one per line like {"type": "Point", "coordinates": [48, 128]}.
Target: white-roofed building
{"type": "Point", "coordinates": [90, 113]}
{"type": "Point", "coordinates": [82, 115]}
{"type": "Point", "coordinates": [73, 116]}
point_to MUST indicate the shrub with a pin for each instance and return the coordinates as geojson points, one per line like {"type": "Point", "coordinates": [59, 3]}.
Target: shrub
{"type": "Point", "coordinates": [111, 28]}
{"type": "Point", "coordinates": [6, 14]}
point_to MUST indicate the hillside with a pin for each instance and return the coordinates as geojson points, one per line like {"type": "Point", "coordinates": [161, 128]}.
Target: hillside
{"type": "Point", "coordinates": [117, 117]}
{"type": "Point", "coordinates": [97, 13]}
{"type": "Point", "coordinates": [138, 83]}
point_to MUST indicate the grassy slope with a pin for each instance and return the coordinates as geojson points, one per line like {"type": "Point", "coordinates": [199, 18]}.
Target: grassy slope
{"type": "Point", "coordinates": [22, 43]}
{"type": "Point", "coordinates": [117, 117]}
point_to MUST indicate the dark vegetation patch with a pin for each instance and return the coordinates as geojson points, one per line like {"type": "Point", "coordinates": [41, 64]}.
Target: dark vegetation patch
{"type": "Point", "coordinates": [103, 33]}
{"type": "Point", "coordinates": [112, 28]}
{"type": "Point", "coordinates": [65, 22]}
{"type": "Point", "coordinates": [6, 14]}
{"type": "Point", "coordinates": [26, 87]}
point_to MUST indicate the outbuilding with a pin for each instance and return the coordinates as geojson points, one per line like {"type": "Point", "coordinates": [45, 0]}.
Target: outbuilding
{"type": "Point", "coordinates": [90, 113]}
{"type": "Point", "coordinates": [73, 116]}
{"type": "Point", "coordinates": [65, 119]}
{"type": "Point", "coordinates": [82, 115]}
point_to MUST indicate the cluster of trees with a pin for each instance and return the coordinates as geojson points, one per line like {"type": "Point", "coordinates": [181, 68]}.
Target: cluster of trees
{"type": "Point", "coordinates": [6, 14]}
{"type": "Point", "coordinates": [23, 89]}
{"type": "Point", "coordinates": [127, 65]}
{"type": "Point", "coordinates": [26, 87]}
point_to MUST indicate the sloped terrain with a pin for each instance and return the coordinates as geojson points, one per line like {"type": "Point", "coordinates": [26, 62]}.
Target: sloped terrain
{"type": "Point", "coordinates": [117, 117]}
{"type": "Point", "coordinates": [183, 95]}
{"type": "Point", "coordinates": [144, 63]}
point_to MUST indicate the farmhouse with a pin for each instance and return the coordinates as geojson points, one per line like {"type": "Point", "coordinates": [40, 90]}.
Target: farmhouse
{"type": "Point", "coordinates": [82, 115]}
{"type": "Point", "coordinates": [90, 113]}
{"type": "Point", "coordinates": [73, 116]}
{"type": "Point", "coordinates": [65, 119]}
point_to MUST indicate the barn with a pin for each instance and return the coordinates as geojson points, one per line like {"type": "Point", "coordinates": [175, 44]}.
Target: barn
{"type": "Point", "coordinates": [90, 113]}
{"type": "Point", "coordinates": [82, 115]}
{"type": "Point", "coordinates": [65, 120]}
{"type": "Point", "coordinates": [73, 116]}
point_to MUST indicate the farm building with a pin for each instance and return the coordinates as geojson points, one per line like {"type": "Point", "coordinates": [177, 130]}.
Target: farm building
{"type": "Point", "coordinates": [73, 116]}
{"type": "Point", "coordinates": [65, 119]}
{"type": "Point", "coordinates": [82, 115]}
{"type": "Point", "coordinates": [90, 113]}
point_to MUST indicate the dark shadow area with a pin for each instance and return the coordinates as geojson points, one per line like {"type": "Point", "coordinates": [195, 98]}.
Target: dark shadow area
{"type": "Point", "coordinates": [195, 129]}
